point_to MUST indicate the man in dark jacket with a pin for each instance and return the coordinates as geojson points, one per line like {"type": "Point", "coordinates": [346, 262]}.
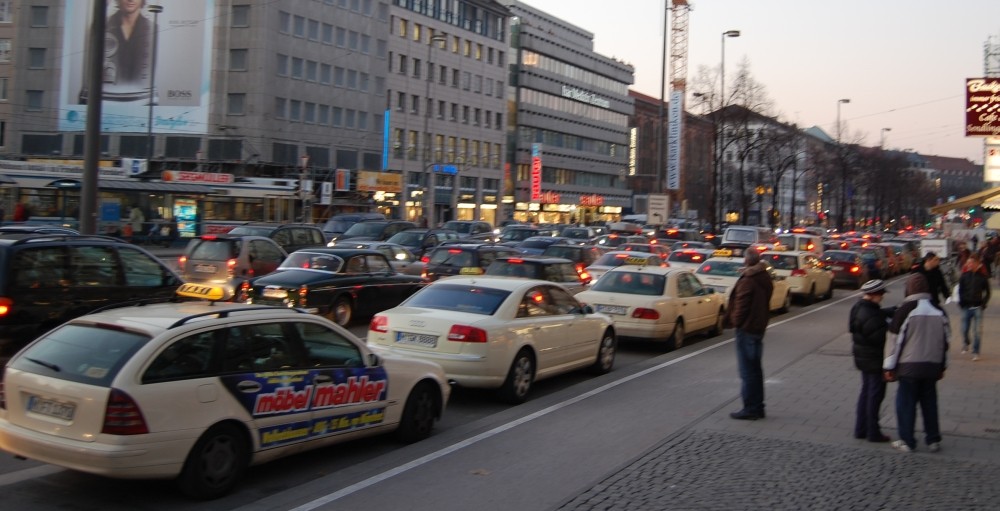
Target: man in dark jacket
{"type": "Point", "coordinates": [919, 333]}
{"type": "Point", "coordinates": [973, 295]}
{"type": "Point", "coordinates": [931, 270]}
{"type": "Point", "coordinates": [868, 325]}
{"type": "Point", "coordinates": [749, 313]}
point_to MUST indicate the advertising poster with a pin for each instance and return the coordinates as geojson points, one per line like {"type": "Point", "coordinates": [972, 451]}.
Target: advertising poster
{"type": "Point", "coordinates": [180, 84]}
{"type": "Point", "coordinates": [186, 216]}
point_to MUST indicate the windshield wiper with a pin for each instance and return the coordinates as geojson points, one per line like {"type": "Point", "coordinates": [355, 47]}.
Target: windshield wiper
{"type": "Point", "coordinates": [44, 364]}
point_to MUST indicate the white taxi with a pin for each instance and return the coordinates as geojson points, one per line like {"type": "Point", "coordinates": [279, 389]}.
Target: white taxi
{"type": "Point", "coordinates": [199, 390]}
{"type": "Point", "coordinates": [803, 272]}
{"type": "Point", "coordinates": [722, 270]}
{"type": "Point", "coordinates": [656, 303]}
{"type": "Point", "coordinates": [617, 258]}
{"type": "Point", "coordinates": [499, 333]}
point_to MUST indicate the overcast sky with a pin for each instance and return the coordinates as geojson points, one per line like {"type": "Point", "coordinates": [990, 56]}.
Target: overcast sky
{"type": "Point", "coordinates": [902, 63]}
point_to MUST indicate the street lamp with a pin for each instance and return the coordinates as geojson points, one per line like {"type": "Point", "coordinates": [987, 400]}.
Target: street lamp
{"type": "Point", "coordinates": [840, 102]}
{"type": "Point", "coordinates": [719, 140]}
{"type": "Point", "coordinates": [156, 10]}
{"type": "Point", "coordinates": [881, 142]}
{"type": "Point", "coordinates": [429, 212]}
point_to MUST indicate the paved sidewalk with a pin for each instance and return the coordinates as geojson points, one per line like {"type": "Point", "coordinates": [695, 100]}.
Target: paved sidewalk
{"type": "Point", "coordinates": [803, 455]}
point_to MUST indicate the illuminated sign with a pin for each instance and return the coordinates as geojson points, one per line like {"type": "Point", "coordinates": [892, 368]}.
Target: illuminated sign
{"type": "Point", "coordinates": [379, 182]}
{"type": "Point", "coordinates": [982, 107]}
{"type": "Point", "coordinates": [536, 172]}
{"type": "Point", "coordinates": [584, 96]}
{"type": "Point", "coordinates": [633, 146]}
{"type": "Point", "coordinates": [675, 121]}
{"type": "Point", "coordinates": [591, 200]}
{"type": "Point", "coordinates": [183, 176]}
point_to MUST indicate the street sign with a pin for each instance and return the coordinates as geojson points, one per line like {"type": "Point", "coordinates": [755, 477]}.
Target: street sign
{"type": "Point", "coordinates": [446, 169]}
{"type": "Point", "coordinates": [658, 211]}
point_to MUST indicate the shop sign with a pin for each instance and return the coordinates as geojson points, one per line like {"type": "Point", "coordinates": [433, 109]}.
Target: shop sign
{"type": "Point", "coordinates": [379, 182]}
{"type": "Point", "coordinates": [536, 172]}
{"type": "Point", "coordinates": [982, 107]}
{"type": "Point", "coordinates": [591, 200]}
{"type": "Point", "coordinates": [549, 198]}
{"type": "Point", "coordinates": [183, 176]}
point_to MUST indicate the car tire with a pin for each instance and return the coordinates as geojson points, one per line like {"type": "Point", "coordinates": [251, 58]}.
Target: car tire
{"type": "Point", "coordinates": [605, 353]}
{"type": "Point", "coordinates": [419, 414]}
{"type": "Point", "coordinates": [677, 338]}
{"type": "Point", "coordinates": [719, 323]}
{"type": "Point", "coordinates": [787, 304]}
{"type": "Point", "coordinates": [215, 464]}
{"type": "Point", "coordinates": [810, 298]}
{"type": "Point", "coordinates": [519, 379]}
{"type": "Point", "coordinates": [342, 311]}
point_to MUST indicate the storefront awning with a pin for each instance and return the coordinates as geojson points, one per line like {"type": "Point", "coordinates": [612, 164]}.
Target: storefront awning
{"type": "Point", "coordinates": [974, 200]}
{"type": "Point", "coordinates": [142, 186]}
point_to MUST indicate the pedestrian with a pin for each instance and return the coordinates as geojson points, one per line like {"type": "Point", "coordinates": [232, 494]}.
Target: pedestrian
{"type": "Point", "coordinates": [973, 295]}
{"type": "Point", "coordinates": [930, 268]}
{"type": "Point", "coordinates": [975, 242]}
{"type": "Point", "coordinates": [136, 219]}
{"type": "Point", "coordinates": [989, 252]}
{"type": "Point", "coordinates": [963, 255]}
{"type": "Point", "coordinates": [748, 312]}
{"type": "Point", "coordinates": [919, 334]}
{"type": "Point", "coordinates": [868, 325]}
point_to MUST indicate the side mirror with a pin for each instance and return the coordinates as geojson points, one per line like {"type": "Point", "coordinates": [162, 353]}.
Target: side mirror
{"type": "Point", "coordinates": [374, 360]}
{"type": "Point", "coordinates": [587, 309]}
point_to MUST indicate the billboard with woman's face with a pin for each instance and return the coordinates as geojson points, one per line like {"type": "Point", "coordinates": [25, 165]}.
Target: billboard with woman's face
{"type": "Point", "coordinates": [179, 87]}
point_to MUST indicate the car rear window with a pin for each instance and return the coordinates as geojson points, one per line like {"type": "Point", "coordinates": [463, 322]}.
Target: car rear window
{"type": "Point", "coordinates": [686, 257]}
{"type": "Point", "coordinates": [721, 268]}
{"type": "Point", "coordinates": [79, 353]}
{"type": "Point", "coordinates": [451, 257]}
{"type": "Point", "coordinates": [631, 283]}
{"type": "Point", "coordinates": [839, 256]}
{"type": "Point", "coordinates": [459, 298]}
{"type": "Point", "coordinates": [515, 268]}
{"type": "Point", "coordinates": [216, 250]}
{"type": "Point", "coordinates": [570, 253]}
{"type": "Point", "coordinates": [251, 231]}
{"type": "Point", "coordinates": [781, 262]}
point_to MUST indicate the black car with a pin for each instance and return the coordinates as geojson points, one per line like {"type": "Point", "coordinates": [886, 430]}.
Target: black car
{"type": "Point", "coordinates": [582, 255]}
{"type": "Point", "coordinates": [25, 229]}
{"type": "Point", "coordinates": [373, 230]}
{"type": "Point", "coordinates": [469, 228]}
{"type": "Point", "coordinates": [420, 240]}
{"type": "Point", "coordinates": [46, 280]}
{"type": "Point", "coordinates": [552, 269]}
{"type": "Point", "coordinates": [463, 259]}
{"type": "Point", "coordinates": [290, 237]}
{"type": "Point", "coordinates": [340, 284]}
{"type": "Point", "coordinates": [339, 224]}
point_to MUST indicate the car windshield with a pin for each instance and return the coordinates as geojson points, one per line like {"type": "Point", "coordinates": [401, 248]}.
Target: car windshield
{"type": "Point", "coordinates": [337, 225]}
{"type": "Point", "coordinates": [451, 257]}
{"type": "Point", "coordinates": [459, 298]}
{"type": "Point", "coordinates": [515, 268]}
{"type": "Point", "coordinates": [304, 260]}
{"type": "Point", "coordinates": [365, 229]}
{"type": "Point", "coordinates": [517, 234]}
{"type": "Point", "coordinates": [781, 262]}
{"type": "Point", "coordinates": [82, 354]}
{"type": "Point", "coordinates": [457, 226]}
{"type": "Point", "coordinates": [576, 233]}
{"type": "Point", "coordinates": [565, 252]}
{"type": "Point", "coordinates": [244, 230]}
{"type": "Point", "coordinates": [215, 249]}
{"type": "Point", "coordinates": [618, 259]}
{"type": "Point", "coordinates": [721, 268]}
{"type": "Point", "coordinates": [408, 238]}
{"type": "Point", "coordinates": [686, 257]}
{"type": "Point", "coordinates": [631, 283]}
{"type": "Point", "coordinates": [846, 257]}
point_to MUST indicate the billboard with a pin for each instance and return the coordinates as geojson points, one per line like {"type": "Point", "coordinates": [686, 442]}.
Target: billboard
{"type": "Point", "coordinates": [675, 128]}
{"type": "Point", "coordinates": [982, 107]}
{"type": "Point", "coordinates": [181, 80]}
{"type": "Point", "coordinates": [536, 172]}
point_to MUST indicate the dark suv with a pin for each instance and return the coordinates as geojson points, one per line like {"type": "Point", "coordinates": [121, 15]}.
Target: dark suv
{"type": "Point", "coordinates": [290, 237]}
{"type": "Point", "coordinates": [46, 280]}
{"type": "Point", "coordinates": [463, 259]}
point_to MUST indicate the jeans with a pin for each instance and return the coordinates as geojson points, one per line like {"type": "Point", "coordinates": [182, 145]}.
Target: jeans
{"type": "Point", "coordinates": [869, 403]}
{"type": "Point", "coordinates": [972, 317]}
{"type": "Point", "coordinates": [749, 352]}
{"type": "Point", "coordinates": [911, 392]}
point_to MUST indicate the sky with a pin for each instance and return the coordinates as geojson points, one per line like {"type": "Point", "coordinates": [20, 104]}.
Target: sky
{"type": "Point", "coordinates": [901, 63]}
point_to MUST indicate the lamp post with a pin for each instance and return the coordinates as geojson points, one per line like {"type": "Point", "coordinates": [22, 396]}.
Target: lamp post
{"type": "Point", "coordinates": [840, 102]}
{"type": "Point", "coordinates": [719, 140]}
{"type": "Point", "coordinates": [843, 191]}
{"type": "Point", "coordinates": [429, 210]}
{"type": "Point", "coordinates": [881, 142]}
{"type": "Point", "coordinates": [156, 10]}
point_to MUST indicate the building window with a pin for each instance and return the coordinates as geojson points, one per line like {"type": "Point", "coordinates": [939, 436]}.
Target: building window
{"type": "Point", "coordinates": [341, 37]}
{"type": "Point", "coordinates": [313, 30]}
{"type": "Point", "coordinates": [366, 44]}
{"type": "Point", "coordinates": [381, 48]}
{"type": "Point", "coordinates": [236, 103]}
{"type": "Point", "coordinates": [299, 26]}
{"type": "Point", "coordinates": [36, 58]}
{"type": "Point", "coordinates": [311, 70]}
{"type": "Point", "coordinates": [325, 73]}
{"type": "Point", "coordinates": [414, 104]}
{"type": "Point", "coordinates": [338, 76]}
{"type": "Point", "coordinates": [465, 115]}
{"type": "Point", "coordinates": [454, 77]}
{"type": "Point", "coordinates": [5, 50]}
{"type": "Point", "coordinates": [39, 15]}
{"type": "Point", "coordinates": [352, 79]}
{"type": "Point", "coordinates": [352, 40]}
{"type": "Point", "coordinates": [281, 65]}
{"type": "Point", "coordinates": [34, 99]}
{"type": "Point", "coordinates": [284, 22]}
{"type": "Point", "coordinates": [400, 101]}
{"type": "Point", "coordinates": [310, 113]}
{"type": "Point", "coordinates": [295, 110]}
{"type": "Point", "coordinates": [363, 82]}
{"type": "Point", "coordinates": [324, 114]}
{"type": "Point", "coordinates": [479, 52]}
{"type": "Point", "coordinates": [417, 29]}
{"type": "Point", "coordinates": [241, 16]}
{"type": "Point", "coordinates": [338, 116]}
{"type": "Point", "coordinates": [416, 68]}
{"type": "Point", "coordinates": [3, 89]}
{"type": "Point", "coordinates": [441, 108]}
{"type": "Point", "coordinates": [327, 33]}
{"type": "Point", "coordinates": [296, 68]}
{"type": "Point", "coordinates": [349, 115]}
{"type": "Point", "coordinates": [279, 108]}
{"type": "Point", "coordinates": [379, 86]}
{"type": "Point", "coordinates": [362, 120]}
{"type": "Point", "coordinates": [238, 59]}
{"type": "Point", "coordinates": [402, 29]}
{"type": "Point", "coordinates": [5, 12]}
{"type": "Point", "coordinates": [402, 65]}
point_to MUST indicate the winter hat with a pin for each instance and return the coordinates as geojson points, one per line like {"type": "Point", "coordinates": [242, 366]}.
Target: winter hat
{"type": "Point", "coordinates": [752, 257]}
{"type": "Point", "coordinates": [874, 287]}
{"type": "Point", "coordinates": [917, 283]}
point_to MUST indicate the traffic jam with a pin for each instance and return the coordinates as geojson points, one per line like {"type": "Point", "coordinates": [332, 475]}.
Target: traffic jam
{"type": "Point", "coordinates": [252, 358]}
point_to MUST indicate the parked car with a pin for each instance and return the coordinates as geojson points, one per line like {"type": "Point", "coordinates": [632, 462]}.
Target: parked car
{"type": "Point", "coordinates": [802, 270]}
{"type": "Point", "coordinates": [463, 259]}
{"type": "Point", "coordinates": [690, 258]}
{"type": "Point", "coordinates": [656, 303]}
{"type": "Point", "coordinates": [617, 258]}
{"type": "Point", "coordinates": [25, 229]}
{"type": "Point", "coordinates": [197, 392]}
{"type": "Point", "coordinates": [290, 237]}
{"type": "Point", "coordinates": [553, 269]}
{"type": "Point", "coordinates": [46, 280]}
{"type": "Point", "coordinates": [337, 225]}
{"type": "Point", "coordinates": [340, 284]}
{"type": "Point", "coordinates": [497, 333]}
{"type": "Point", "coordinates": [722, 272]}
{"type": "Point", "coordinates": [660, 249]}
{"type": "Point", "coordinates": [469, 228]}
{"type": "Point", "coordinates": [400, 257]}
{"type": "Point", "coordinates": [420, 240]}
{"type": "Point", "coordinates": [229, 261]}
{"type": "Point", "coordinates": [373, 230]}
{"type": "Point", "coordinates": [847, 267]}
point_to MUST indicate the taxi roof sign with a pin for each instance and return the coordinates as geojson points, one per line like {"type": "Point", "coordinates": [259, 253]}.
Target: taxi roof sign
{"type": "Point", "coordinates": [636, 260]}
{"type": "Point", "coordinates": [213, 293]}
{"type": "Point", "coordinates": [722, 252]}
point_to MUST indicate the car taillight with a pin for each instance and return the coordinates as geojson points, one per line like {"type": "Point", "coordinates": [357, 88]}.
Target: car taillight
{"type": "Point", "coordinates": [798, 273]}
{"type": "Point", "coordinates": [3, 396]}
{"type": "Point", "coordinates": [244, 294]}
{"type": "Point", "coordinates": [5, 306]}
{"type": "Point", "coordinates": [122, 416]}
{"type": "Point", "coordinates": [379, 324]}
{"type": "Point", "coordinates": [231, 267]}
{"type": "Point", "coordinates": [181, 261]}
{"type": "Point", "coordinates": [303, 291]}
{"type": "Point", "coordinates": [855, 269]}
{"type": "Point", "coordinates": [641, 313]}
{"type": "Point", "coordinates": [463, 333]}
{"type": "Point", "coordinates": [425, 259]}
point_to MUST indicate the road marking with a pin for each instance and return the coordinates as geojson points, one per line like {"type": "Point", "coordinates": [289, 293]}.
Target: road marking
{"type": "Point", "coordinates": [371, 481]}
{"type": "Point", "coordinates": [29, 473]}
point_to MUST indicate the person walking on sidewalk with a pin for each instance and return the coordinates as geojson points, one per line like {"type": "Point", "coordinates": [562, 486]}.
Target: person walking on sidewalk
{"type": "Point", "coordinates": [868, 325]}
{"type": "Point", "coordinates": [919, 333]}
{"type": "Point", "coordinates": [930, 268]}
{"type": "Point", "coordinates": [748, 312]}
{"type": "Point", "coordinates": [973, 295]}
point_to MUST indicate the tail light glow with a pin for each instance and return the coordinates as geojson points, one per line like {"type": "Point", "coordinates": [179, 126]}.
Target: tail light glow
{"type": "Point", "coordinates": [642, 313]}
{"type": "Point", "coordinates": [379, 324]}
{"type": "Point", "coordinates": [5, 306]}
{"type": "Point", "coordinates": [122, 416]}
{"type": "Point", "coordinates": [463, 333]}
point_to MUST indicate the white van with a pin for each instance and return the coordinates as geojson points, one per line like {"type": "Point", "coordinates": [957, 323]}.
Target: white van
{"type": "Point", "coordinates": [802, 242]}
{"type": "Point", "coordinates": [747, 235]}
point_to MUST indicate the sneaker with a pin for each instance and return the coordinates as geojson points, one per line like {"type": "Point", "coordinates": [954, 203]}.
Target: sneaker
{"type": "Point", "coordinates": [901, 446]}
{"type": "Point", "coordinates": [934, 447]}
{"type": "Point", "coordinates": [975, 357]}
{"type": "Point", "coordinates": [965, 349]}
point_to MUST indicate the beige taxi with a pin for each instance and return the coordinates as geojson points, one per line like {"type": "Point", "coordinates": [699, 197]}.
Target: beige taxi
{"type": "Point", "coordinates": [721, 271]}
{"type": "Point", "coordinates": [802, 270]}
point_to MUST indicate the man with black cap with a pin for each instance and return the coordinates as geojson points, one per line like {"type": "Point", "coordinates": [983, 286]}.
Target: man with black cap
{"type": "Point", "coordinates": [868, 325]}
{"type": "Point", "coordinates": [748, 312]}
{"type": "Point", "coordinates": [919, 333]}
{"type": "Point", "coordinates": [930, 268]}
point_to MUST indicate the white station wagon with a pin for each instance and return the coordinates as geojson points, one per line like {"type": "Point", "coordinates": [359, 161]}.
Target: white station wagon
{"type": "Point", "coordinates": [198, 391]}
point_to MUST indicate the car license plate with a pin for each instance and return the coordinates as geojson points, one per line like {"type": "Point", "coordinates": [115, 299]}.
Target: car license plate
{"type": "Point", "coordinates": [278, 293]}
{"type": "Point", "coordinates": [612, 309]}
{"type": "Point", "coordinates": [427, 341]}
{"type": "Point", "coordinates": [205, 268]}
{"type": "Point", "coordinates": [837, 268]}
{"type": "Point", "coordinates": [51, 408]}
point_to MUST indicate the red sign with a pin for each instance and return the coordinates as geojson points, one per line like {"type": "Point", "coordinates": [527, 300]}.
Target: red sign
{"type": "Point", "coordinates": [549, 198]}
{"type": "Point", "coordinates": [982, 107]}
{"type": "Point", "coordinates": [183, 176]}
{"type": "Point", "coordinates": [591, 200]}
{"type": "Point", "coordinates": [536, 172]}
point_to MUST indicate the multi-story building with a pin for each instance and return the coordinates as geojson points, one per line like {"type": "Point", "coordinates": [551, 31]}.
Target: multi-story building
{"type": "Point", "coordinates": [282, 90]}
{"type": "Point", "coordinates": [446, 106]}
{"type": "Point", "coordinates": [570, 136]}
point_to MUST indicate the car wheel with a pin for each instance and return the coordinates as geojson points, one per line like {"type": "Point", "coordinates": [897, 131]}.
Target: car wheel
{"type": "Point", "coordinates": [519, 378]}
{"type": "Point", "coordinates": [342, 311]}
{"type": "Point", "coordinates": [811, 297]}
{"type": "Point", "coordinates": [677, 338]}
{"type": "Point", "coordinates": [720, 320]}
{"type": "Point", "coordinates": [787, 304]}
{"type": "Point", "coordinates": [606, 353]}
{"type": "Point", "coordinates": [215, 464]}
{"type": "Point", "coordinates": [419, 414]}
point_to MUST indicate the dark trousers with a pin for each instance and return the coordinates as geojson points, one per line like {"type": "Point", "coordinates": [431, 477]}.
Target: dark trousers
{"type": "Point", "coordinates": [869, 403]}
{"type": "Point", "coordinates": [749, 352]}
{"type": "Point", "coordinates": [911, 392]}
